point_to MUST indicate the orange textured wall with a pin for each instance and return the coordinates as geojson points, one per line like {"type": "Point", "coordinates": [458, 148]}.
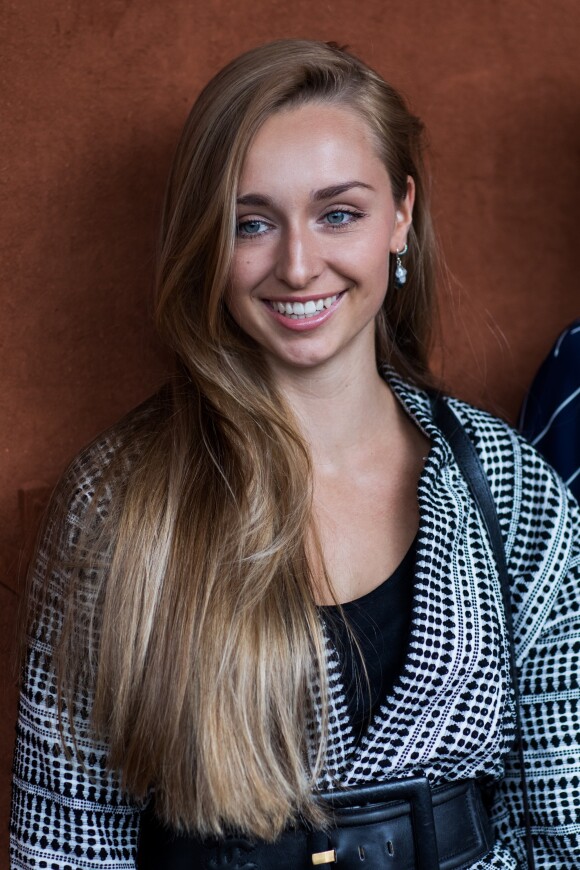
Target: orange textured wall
{"type": "Point", "coordinates": [93, 97]}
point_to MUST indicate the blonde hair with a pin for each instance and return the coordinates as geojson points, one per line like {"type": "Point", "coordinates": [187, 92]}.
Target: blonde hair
{"type": "Point", "coordinates": [208, 650]}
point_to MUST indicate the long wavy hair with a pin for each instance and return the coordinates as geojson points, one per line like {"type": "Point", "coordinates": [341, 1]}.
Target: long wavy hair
{"type": "Point", "coordinates": [202, 641]}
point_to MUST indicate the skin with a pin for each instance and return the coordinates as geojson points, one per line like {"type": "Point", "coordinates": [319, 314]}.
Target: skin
{"type": "Point", "coordinates": [317, 219]}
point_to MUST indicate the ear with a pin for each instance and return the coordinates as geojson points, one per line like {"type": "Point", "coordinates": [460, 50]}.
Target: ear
{"type": "Point", "coordinates": [403, 218]}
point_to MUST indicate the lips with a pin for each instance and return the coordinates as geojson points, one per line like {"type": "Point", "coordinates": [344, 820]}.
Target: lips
{"type": "Point", "coordinates": [303, 315]}
{"type": "Point", "coordinates": [303, 310]}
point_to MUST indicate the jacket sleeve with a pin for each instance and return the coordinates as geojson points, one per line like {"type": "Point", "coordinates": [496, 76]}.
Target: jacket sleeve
{"type": "Point", "coordinates": [68, 809]}
{"type": "Point", "coordinates": [548, 662]}
{"type": "Point", "coordinates": [540, 521]}
{"type": "Point", "coordinates": [550, 416]}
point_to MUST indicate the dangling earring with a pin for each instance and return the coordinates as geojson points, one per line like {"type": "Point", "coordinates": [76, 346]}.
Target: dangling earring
{"type": "Point", "coordinates": [400, 271]}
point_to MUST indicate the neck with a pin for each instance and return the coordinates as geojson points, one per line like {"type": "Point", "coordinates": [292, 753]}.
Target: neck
{"type": "Point", "coordinates": [338, 409]}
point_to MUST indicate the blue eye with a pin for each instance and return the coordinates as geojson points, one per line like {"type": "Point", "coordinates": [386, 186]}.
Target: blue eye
{"type": "Point", "coordinates": [342, 217]}
{"type": "Point", "coordinates": [251, 228]}
{"type": "Point", "coordinates": [337, 217]}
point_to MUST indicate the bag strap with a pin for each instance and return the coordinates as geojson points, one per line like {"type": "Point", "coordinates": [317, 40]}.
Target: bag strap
{"type": "Point", "coordinates": [472, 470]}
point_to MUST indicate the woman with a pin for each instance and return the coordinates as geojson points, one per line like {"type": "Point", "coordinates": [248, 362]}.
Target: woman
{"type": "Point", "coordinates": [188, 592]}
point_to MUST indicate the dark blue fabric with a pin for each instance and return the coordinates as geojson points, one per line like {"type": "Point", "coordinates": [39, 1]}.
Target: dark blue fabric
{"type": "Point", "coordinates": [550, 416]}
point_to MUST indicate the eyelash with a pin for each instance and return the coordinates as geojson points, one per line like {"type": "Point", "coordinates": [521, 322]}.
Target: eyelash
{"type": "Point", "coordinates": [354, 217]}
{"type": "Point", "coordinates": [353, 214]}
{"type": "Point", "coordinates": [241, 234]}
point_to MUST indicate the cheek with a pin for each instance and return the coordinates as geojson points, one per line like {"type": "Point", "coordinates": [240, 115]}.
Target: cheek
{"type": "Point", "coordinates": [236, 281]}
{"type": "Point", "coordinates": [246, 273]}
{"type": "Point", "coordinates": [239, 297]}
{"type": "Point", "coordinates": [238, 284]}
{"type": "Point", "coordinates": [372, 263]}
{"type": "Point", "coordinates": [370, 249]}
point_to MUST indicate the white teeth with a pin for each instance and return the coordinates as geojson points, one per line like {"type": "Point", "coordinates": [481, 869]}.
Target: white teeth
{"type": "Point", "coordinates": [301, 310]}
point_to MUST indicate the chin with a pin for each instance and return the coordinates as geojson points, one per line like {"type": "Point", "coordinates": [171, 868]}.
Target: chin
{"type": "Point", "coordinates": [303, 363]}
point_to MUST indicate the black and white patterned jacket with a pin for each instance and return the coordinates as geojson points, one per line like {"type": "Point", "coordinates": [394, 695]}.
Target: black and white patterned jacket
{"type": "Point", "coordinates": [450, 713]}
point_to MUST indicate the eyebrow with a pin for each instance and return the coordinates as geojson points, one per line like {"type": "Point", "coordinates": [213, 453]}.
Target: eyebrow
{"type": "Point", "coordinates": [257, 199]}
{"type": "Point", "coordinates": [260, 200]}
{"type": "Point", "coordinates": [336, 189]}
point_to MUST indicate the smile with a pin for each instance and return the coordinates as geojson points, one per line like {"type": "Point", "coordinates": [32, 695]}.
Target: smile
{"type": "Point", "coordinates": [303, 310]}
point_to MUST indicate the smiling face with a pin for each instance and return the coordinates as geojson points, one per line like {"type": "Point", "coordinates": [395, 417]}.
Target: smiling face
{"type": "Point", "coordinates": [316, 223]}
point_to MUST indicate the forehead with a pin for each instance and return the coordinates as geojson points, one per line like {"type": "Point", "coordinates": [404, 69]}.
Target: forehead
{"type": "Point", "coordinates": [311, 147]}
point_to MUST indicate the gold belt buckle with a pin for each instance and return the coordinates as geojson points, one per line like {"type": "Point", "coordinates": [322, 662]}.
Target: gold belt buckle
{"type": "Point", "coordinates": [324, 857]}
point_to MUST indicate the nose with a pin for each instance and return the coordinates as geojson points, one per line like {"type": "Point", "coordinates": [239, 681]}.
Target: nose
{"type": "Point", "coordinates": [298, 261]}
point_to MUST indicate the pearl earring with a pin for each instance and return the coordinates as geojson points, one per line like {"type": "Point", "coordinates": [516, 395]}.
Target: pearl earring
{"type": "Point", "coordinates": [400, 271]}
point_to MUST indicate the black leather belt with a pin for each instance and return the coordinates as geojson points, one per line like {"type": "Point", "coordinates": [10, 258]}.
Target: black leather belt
{"type": "Point", "coordinates": [401, 825]}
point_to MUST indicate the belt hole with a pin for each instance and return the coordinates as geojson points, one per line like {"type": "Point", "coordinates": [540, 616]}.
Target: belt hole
{"type": "Point", "coordinates": [361, 853]}
{"type": "Point", "coordinates": [390, 848]}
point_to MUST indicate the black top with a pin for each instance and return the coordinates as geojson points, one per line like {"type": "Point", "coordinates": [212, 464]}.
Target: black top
{"type": "Point", "coordinates": [380, 622]}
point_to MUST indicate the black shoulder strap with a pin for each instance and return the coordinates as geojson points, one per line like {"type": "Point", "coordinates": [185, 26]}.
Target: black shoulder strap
{"type": "Point", "coordinates": [472, 470]}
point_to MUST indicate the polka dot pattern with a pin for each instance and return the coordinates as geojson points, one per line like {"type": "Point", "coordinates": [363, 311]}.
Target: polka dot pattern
{"type": "Point", "coordinates": [450, 713]}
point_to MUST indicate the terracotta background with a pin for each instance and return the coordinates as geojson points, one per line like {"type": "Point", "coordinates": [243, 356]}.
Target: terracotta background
{"type": "Point", "coordinates": [94, 94]}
